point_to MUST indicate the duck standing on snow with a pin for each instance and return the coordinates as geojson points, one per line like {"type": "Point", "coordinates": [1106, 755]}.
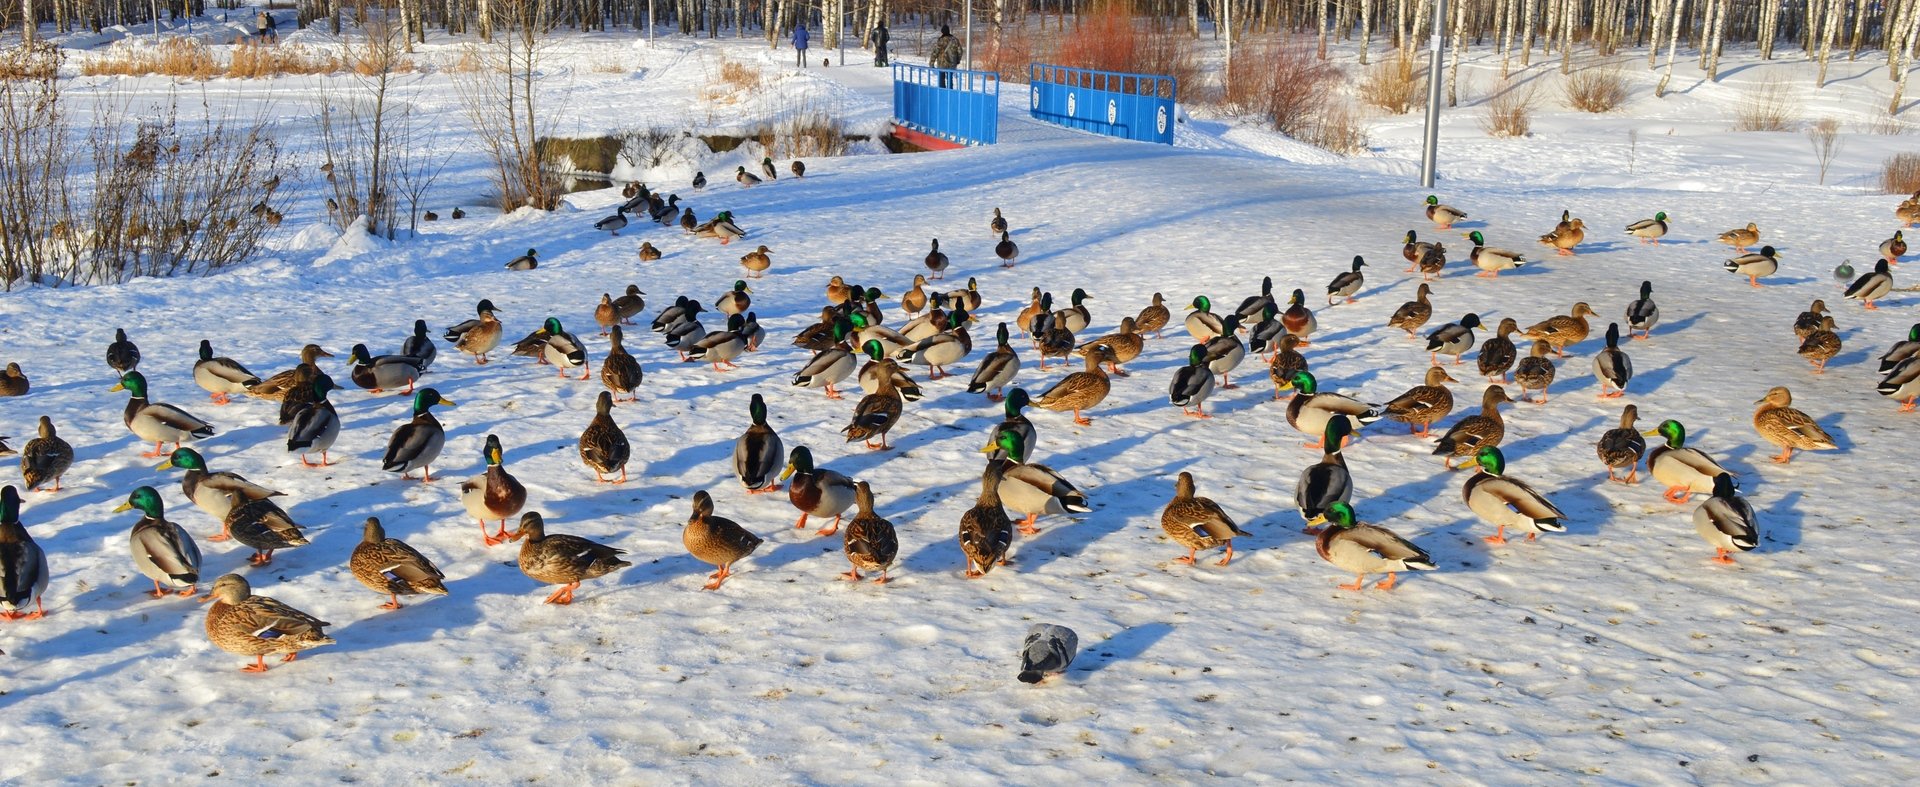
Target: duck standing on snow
{"type": "Point", "coordinates": [870, 543]}
{"type": "Point", "coordinates": [1563, 331]}
{"type": "Point", "coordinates": [1901, 382]}
{"type": "Point", "coordinates": [998, 226]}
{"type": "Point", "coordinates": [416, 443]}
{"type": "Point", "coordinates": [561, 559]}
{"type": "Point", "coordinates": [936, 262]}
{"type": "Point", "coordinates": [1622, 447]}
{"type": "Point", "coordinates": [603, 446]}
{"type": "Point", "coordinates": [1192, 384]}
{"type": "Point", "coordinates": [757, 262]}
{"type": "Point", "coordinates": [1412, 249]}
{"type": "Point", "coordinates": [494, 494]}
{"type": "Point", "coordinates": [1224, 352]}
{"type": "Point", "coordinates": [420, 345]}
{"type": "Point", "coordinates": [1360, 548]}
{"type": "Point", "coordinates": [1872, 286]}
{"type": "Point", "coordinates": [985, 531]}
{"type": "Point", "coordinates": [816, 491]}
{"type": "Point", "coordinates": [1414, 313]}
{"type": "Point", "coordinates": [531, 259]}
{"type": "Point", "coordinates": [1901, 350]}
{"type": "Point", "coordinates": [1425, 404]}
{"type": "Point", "coordinates": [1726, 521]}
{"type": "Point", "coordinates": [1754, 265]}
{"type": "Point", "coordinates": [1683, 469]}
{"type": "Point", "coordinates": [620, 372]}
{"type": "Point", "coordinates": [1650, 230]}
{"type": "Point", "coordinates": [393, 567]}
{"type": "Point", "coordinates": [1347, 283]}
{"type": "Point", "coordinates": [222, 377]}
{"type": "Point", "coordinates": [997, 369]}
{"type": "Point", "coordinates": [1741, 238]}
{"type": "Point", "coordinates": [478, 336]}
{"type": "Point", "coordinates": [1031, 489]}
{"type": "Point", "coordinates": [647, 251]}
{"type": "Point", "coordinates": [1153, 317]}
{"type": "Point", "coordinates": [1564, 239]}
{"type": "Point", "coordinates": [215, 493]}
{"type": "Point", "coordinates": [376, 375]}
{"type": "Point", "coordinates": [1256, 305]}
{"type": "Point", "coordinates": [1821, 345]}
{"type": "Point", "coordinates": [122, 355]}
{"type": "Point", "coordinates": [1454, 338]}
{"type": "Point", "coordinates": [159, 422]}
{"type": "Point", "coordinates": [162, 550]}
{"type": "Point", "coordinates": [614, 223]}
{"type": "Point", "coordinates": [316, 426]}
{"type": "Point", "coordinates": [1504, 501]}
{"type": "Point", "coordinates": [1006, 250]}
{"type": "Point", "coordinates": [1081, 390]}
{"type": "Point", "coordinates": [717, 540]}
{"type": "Point", "coordinates": [1202, 324]}
{"type": "Point", "coordinates": [1643, 314]}
{"type": "Point", "coordinates": [1327, 481]}
{"type": "Point", "coordinates": [45, 458]}
{"type": "Point", "coordinates": [1298, 319]}
{"type": "Point", "coordinates": [757, 452]}
{"type": "Point", "coordinates": [244, 624]}
{"type": "Point", "coordinates": [564, 350]}
{"type": "Point", "coordinates": [1474, 432]}
{"type": "Point", "coordinates": [1432, 261]}
{"type": "Point", "coordinates": [699, 181]}
{"type": "Point", "coordinates": [798, 168]}
{"type": "Point", "coordinates": [1497, 353]}
{"type": "Point", "coordinates": [1780, 424]}
{"type": "Point", "coordinates": [1442, 216]}
{"type": "Point", "coordinates": [880, 410]}
{"type": "Point", "coordinates": [745, 178]}
{"type": "Point", "coordinates": [1197, 522]}
{"type": "Point", "coordinates": [23, 564]}
{"type": "Point", "coordinates": [1810, 320]}
{"type": "Point", "coordinates": [1491, 261]}
{"type": "Point", "coordinates": [1312, 409]}
{"type": "Point", "coordinates": [1535, 372]}
{"type": "Point", "coordinates": [1612, 365]}
{"type": "Point", "coordinates": [1892, 249]}
{"type": "Point", "coordinates": [1047, 650]}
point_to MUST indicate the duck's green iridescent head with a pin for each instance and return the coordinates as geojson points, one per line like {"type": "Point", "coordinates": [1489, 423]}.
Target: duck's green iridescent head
{"type": "Point", "coordinates": [1491, 460]}
{"type": "Point", "coordinates": [1341, 515]}
{"type": "Point", "coordinates": [147, 499]}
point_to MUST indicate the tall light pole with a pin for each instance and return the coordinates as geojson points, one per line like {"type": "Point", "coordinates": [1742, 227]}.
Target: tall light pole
{"type": "Point", "coordinates": [969, 34]}
{"type": "Point", "coordinates": [1429, 152]}
{"type": "Point", "coordinates": [1226, 18]}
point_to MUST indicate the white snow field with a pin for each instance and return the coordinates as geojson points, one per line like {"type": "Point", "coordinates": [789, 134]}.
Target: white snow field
{"type": "Point", "coordinates": [1614, 653]}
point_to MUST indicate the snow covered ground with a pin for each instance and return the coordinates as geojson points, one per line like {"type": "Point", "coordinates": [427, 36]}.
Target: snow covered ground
{"type": "Point", "coordinates": [1613, 653]}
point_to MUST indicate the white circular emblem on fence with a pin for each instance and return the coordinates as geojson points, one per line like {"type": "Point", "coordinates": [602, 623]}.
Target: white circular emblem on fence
{"type": "Point", "coordinates": [1072, 104]}
{"type": "Point", "coordinates": [1160, 120]}
{"type": "Point", "coordinates": [1036, 97]}
{"type": "Point", "coordinates": [1113, 112]}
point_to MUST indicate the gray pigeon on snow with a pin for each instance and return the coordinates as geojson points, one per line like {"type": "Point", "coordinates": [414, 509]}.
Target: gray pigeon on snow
{"type": "Point", "coordinates": [1049, 649]}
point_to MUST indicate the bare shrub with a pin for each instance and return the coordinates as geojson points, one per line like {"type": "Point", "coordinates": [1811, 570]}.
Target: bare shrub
{"type": "Point", "coordinates": [1884, 125]}
{"type": "Point", "coordinates": [595, 155]}
{"type": "Point", "coordinates": [1283, 81]}
{"type": "Point", "coordinates": [1007, 53]}
{"type": "Point", "coordinates": [38, 60]}
{"type": "Point", "coordinates": [255, 60]}
{"type": "Point", "coordinates": [174, 57]}
{"type": "Point", "coordinates": [1109, 38]}
{"type": "Point", "coordinates": [1338, 127]}
{"type": "Point", "coordinates": [1599, 87]}
{"type": "Point", "coordinates": [33, 166]}
{"type": "Point", "coordinates": [1393, 84]}
{"type": "Point", "coordinates": [1825, 136]}
{"type": "Point", "coordinates": [811, 134]}
{"type": "Point", "coordinates": [1509, 109]}
{"type": "Point", "coordinates": [1769, 105]}
{"type": "Point", "coordinates": [502, 100]}
{"type": "Point", "coordinates": [1901, 174]}
{"type": "Point", "coordinates": [733, 81]}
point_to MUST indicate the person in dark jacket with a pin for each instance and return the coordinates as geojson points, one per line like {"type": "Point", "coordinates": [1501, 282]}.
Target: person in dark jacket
{"type": "Point", "coordinates": [880, 44]}
{"type": "Point", "coordinates": [800, 44]}
{"type": "Point", "coordinates": [946, 54]}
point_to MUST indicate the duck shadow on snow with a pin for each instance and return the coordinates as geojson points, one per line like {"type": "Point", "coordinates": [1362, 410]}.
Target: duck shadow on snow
{"type": "Point", "coordinates": [1674, 327]}
{"type": "Point", "coordinates": [422, 616]}
{"type": "Point", "coordinates": [1585, 508]}
{"type": "Point", "coordinates": [1541, 444]}
{"type": "Point", "coordinates": [1780, 523]}
{"type": "Point", "coordinates": [1126, 644]}
{"type": "Point", "coordinates": [1657, 377]}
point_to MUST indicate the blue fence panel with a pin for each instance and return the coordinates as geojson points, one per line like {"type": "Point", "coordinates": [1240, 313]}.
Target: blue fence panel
{"type": "Point", "coordinates": [1129, 106]}
{"type": "Point", "coordinates": [951, 104]}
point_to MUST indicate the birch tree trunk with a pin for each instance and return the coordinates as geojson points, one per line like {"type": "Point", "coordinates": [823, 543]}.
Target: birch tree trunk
{"type": "Point", "coordinates": [1900, 54]}
{"type": "Point", "coordinates": [1320, 21]}
{"type": "Point", "coordinates": [1673, 46]}
{"type": "Point", "coordinates": [1719, 37]}
{"type": "Point", "coordinates": [1366, 28]}
{"type": "Point", "coordinates": [1859, 28]}
{"type": "Point", "coordinates": [1459, 49]}
{"type": "Point", "coordinates": [28, 26]}
{"type": "Point", "coordinates": [1661, 10]}
{"type": "Point", "coordinates": [1827, 31]}
{"type": "Point", "coordinates": [1769, 26]}
{"type": "Point", "coordinates": [1526, 40]}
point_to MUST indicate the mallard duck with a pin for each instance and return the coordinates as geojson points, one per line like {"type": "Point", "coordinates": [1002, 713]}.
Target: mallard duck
{"type": "Point", "coordinates": [416, 443]}
{"type": "Point", "coordinates": [1347, 283]}
{"type": "Point", "coordinates": [648, 253]}
{"type": "Point", "coordinates": [767, 169]}
{"type": "Point", "coordinates": [870, 374]}
{"type": "Point", "coordinates": [722, 228]}
{"type": "Point", "coordinates": [264, 527]}
{"type": "Point", "coordinates": [985, 531]}
{"type": "Point", "coordinates": [420, 346]}
{"type": "Point", "coordinates": [1497, 353]}
{"type": "Point", "coordinates": [14, 382]}
{"type": "Point", "coordinates": [1360, 548]}
{"type": "Point", "coordinates": [1080, 390]}
{"type": "Point", "coordinates": [534, 345]}
{"type": "Point", "coordinates": [1872, 286]}
{"type": "Point", "coordinates": [1006, 250]}
{"type": "Point", "coordinates": [745, 178]}
{"type": "Point", "coordinates": [1017, 422]}
{"type": "Point", "coordinates": [915, 298]}
{"type": "Point", "coordinates": [736, 300]}
{"type": "Point", "coordinates": [1442, 216]}
{"type": "Point", "coordinates": [1225, 352]}
{"type": "Point", "coordinates": [561, 559]}
{"type": "Point", "coordinates": [999, 223]}
{"type": "Point", "coordinates": [941, 349]}
{"type": "Point", "coordinates": [376, 375]}
{"type": "Point", "coordinates": [1892, 249]}
{"type": "Point", "coordinates": [478, 336]}
{"type": "Point", "coordinates": [1754, 265]}
{"type": "Point", "coordinates": [816, 491]}
{"type": "Point", "coordinates": [1202, 323]}
{"type": "Point", "coordinates": [1684, 470]}
{"type": "Point", "coordinates": [1414, 313]}
{"type": "Point", "coordinates": [1032, 489]}
{"type": "Point", "coordinates": [819, 336]}
{"type": "Point", "coordinates": [1425, 404]}
{"type": "Point", "coordinates": [1076, 317]}
{"type": "Point", "coordinates": [1154, 317]}
{"type": "Point", "coordinates": [23, 564]}
{"type": "Point", "coordinates": [699, 181]}
{"type": "Point", "coordinates": [1821, 345]}
{"type": "Point", "coordinates": [1327, 481]}
{"type": "Point", "coordinates": [1264, 337]}
{"type": "Point", "coordinates": [1643, 314]}
{"type": "Point", "coordinates": [1612, 365]}
{"type": "Point", "coordinates": [244, 624]}
{"type": "Point", "coordinates": [879, 411]}
{"type": "Point", "coordinates": [1432, 261]}
{"type": "Point", "coordinates": [1810, 320]}
{"type": "Point", "coordinates": [997, 369]}
{"type": "Point", "coordinates": [831, 364]}
{"type": "Point", "coordinates": [494, 494]}
{"type": "Point", "coordinates": [757, 453]}
{"type": "Point", "coordinates": [716, 540]}
{"type": "Point", "coordinates": [604, 314]}
{"type": "Point", "coordinates": [1504, 501]}
{"type": "Point", "coordinates": [1622, 447]}
{"type": "Point", "coordinates": [531, 259]}
{"type": "Point", "coordinates": [1454, 338]}
{"type": "Point", "coordinates": [1197, 522]}
{"type": "Point", "coordinates": [1562, 331]}
{"type": "Point", "coordinates": [1780, 424]}
{"type": "Point", "coordinates": [1298, 319]}
{"type": "Point", "coordinates": [798, 168]}
{"type": "Point", "coordinates": [612, 224]}
{"type": "Point", "coordinates": [937, 261]}
{"type": "Point", "coordinates": [1491, 261]}
{"type": "Point", "coordinates": [1902, 350]}
{"type": "Point", "coordinates": [838, 291]}
{"type": "Point", "coordinates": [122, 355]}
{"type": "Point", "coordinates": [1563, 240]}
{"type": "Point", "coordinates": [683, 335]}
{"type": "Point", "coordinates": [1902, 382]}
{"type": "Point", "coordinates": [1055, 341]}
{"type": "Point", "coordinates": [222, 377]}
{"type": "Point", "coordinates": [1256, 305]}
{"type": "Point", "coordinates": [867, 331]}
{"type": "Point", "coordinates": [458, 213]}
{"type": "Point", "coordinates": [1726, 521]}
{"type": "Point", "coordinates": [275, 388]}
{"type": "Point", "coordinates": [870, 543]}
{"type": "Point", "coordinates": [1535, 372]}
{"type": "Point", "coordinates": [157, 421]}
{"type": "Point", "coordinates": [45, 458]}
{"type": "Point", "coordinates": [316, 426]}
{"type": "Point", "coordinates": [390, 566]}
{"type": "Point", "coordinates": [603, 446]}
{"type": "Point", "coordinates": [1741, 238]}
{"type": "Point", "coordinates": [1285, 364]}
{"type": "Point", "coordinates": [215, 493]}
{"type": "Point", "coordinates": [564, 350]}
{"type": "Point", "coordinates": [162, 550]}
{"type": "Point", "coordinates": [1412, 249]}
{"type": "Point", "coordinates": [1312, 408]}
{"type": "Point", "coordinates": [1192, 384]}
{"type": "Point", "coordinates": [689, 223]}
{"type": "Point", "coordinates": [1474, 432]}
{"type": "Point", "coordinates": [620, 372]}
{"type": "Point", "coordinates": [721, 347]}
{"type": "Point", "coordinates": [1650, 230]}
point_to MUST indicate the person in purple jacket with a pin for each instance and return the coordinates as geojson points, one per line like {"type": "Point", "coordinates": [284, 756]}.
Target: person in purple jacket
{"type": "Point", "coordinates": [800, 44]}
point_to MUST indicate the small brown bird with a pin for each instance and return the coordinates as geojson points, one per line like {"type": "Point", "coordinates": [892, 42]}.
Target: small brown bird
{"type": "Point", "coordinates": [1821, 345]}
{"type": "Point", "coordinates": [560, 559]}
{"type": "Point", "coordinates": [1153, 318]}
{"type": "Point", "coordinates": [242, 623]}
{"type": "Point", "coordinates": [1741, 238]}
{"type": "Point", "coordinates": [390, 566]}
{"type": "Point", "coordinates": [870, 540]}
{"type": "Point", "coordinates": [1780, 424]}
{"type": "Point", "coordinates": [1197, 522]}
{"type": "Point", "coordinates": [1425, 404]}
{"type": "Point", "coordinates": [1414, 313]}
{"type": "Point", "coordinates": [716, 540]}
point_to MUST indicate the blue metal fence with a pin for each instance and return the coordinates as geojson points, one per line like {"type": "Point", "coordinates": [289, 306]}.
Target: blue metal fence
{"type": "Point", "coordinates": [958, 106]}
{"type": "Point", "coordinates": [1129, 106]}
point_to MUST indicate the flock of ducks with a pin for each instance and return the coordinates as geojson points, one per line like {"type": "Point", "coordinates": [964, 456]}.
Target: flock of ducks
{"type": "Point", "coordinates": [852, 341]}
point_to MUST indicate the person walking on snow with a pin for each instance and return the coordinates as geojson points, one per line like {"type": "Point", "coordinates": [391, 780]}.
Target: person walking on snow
{"type": "Point", "coordinates": [946, 54]}
{"type": "Point", "coordinates": [800, 44]}
{"type": "Point", "coordinates": [263, 24]}
{"type": "Point", "coordinates": [880, 44]}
